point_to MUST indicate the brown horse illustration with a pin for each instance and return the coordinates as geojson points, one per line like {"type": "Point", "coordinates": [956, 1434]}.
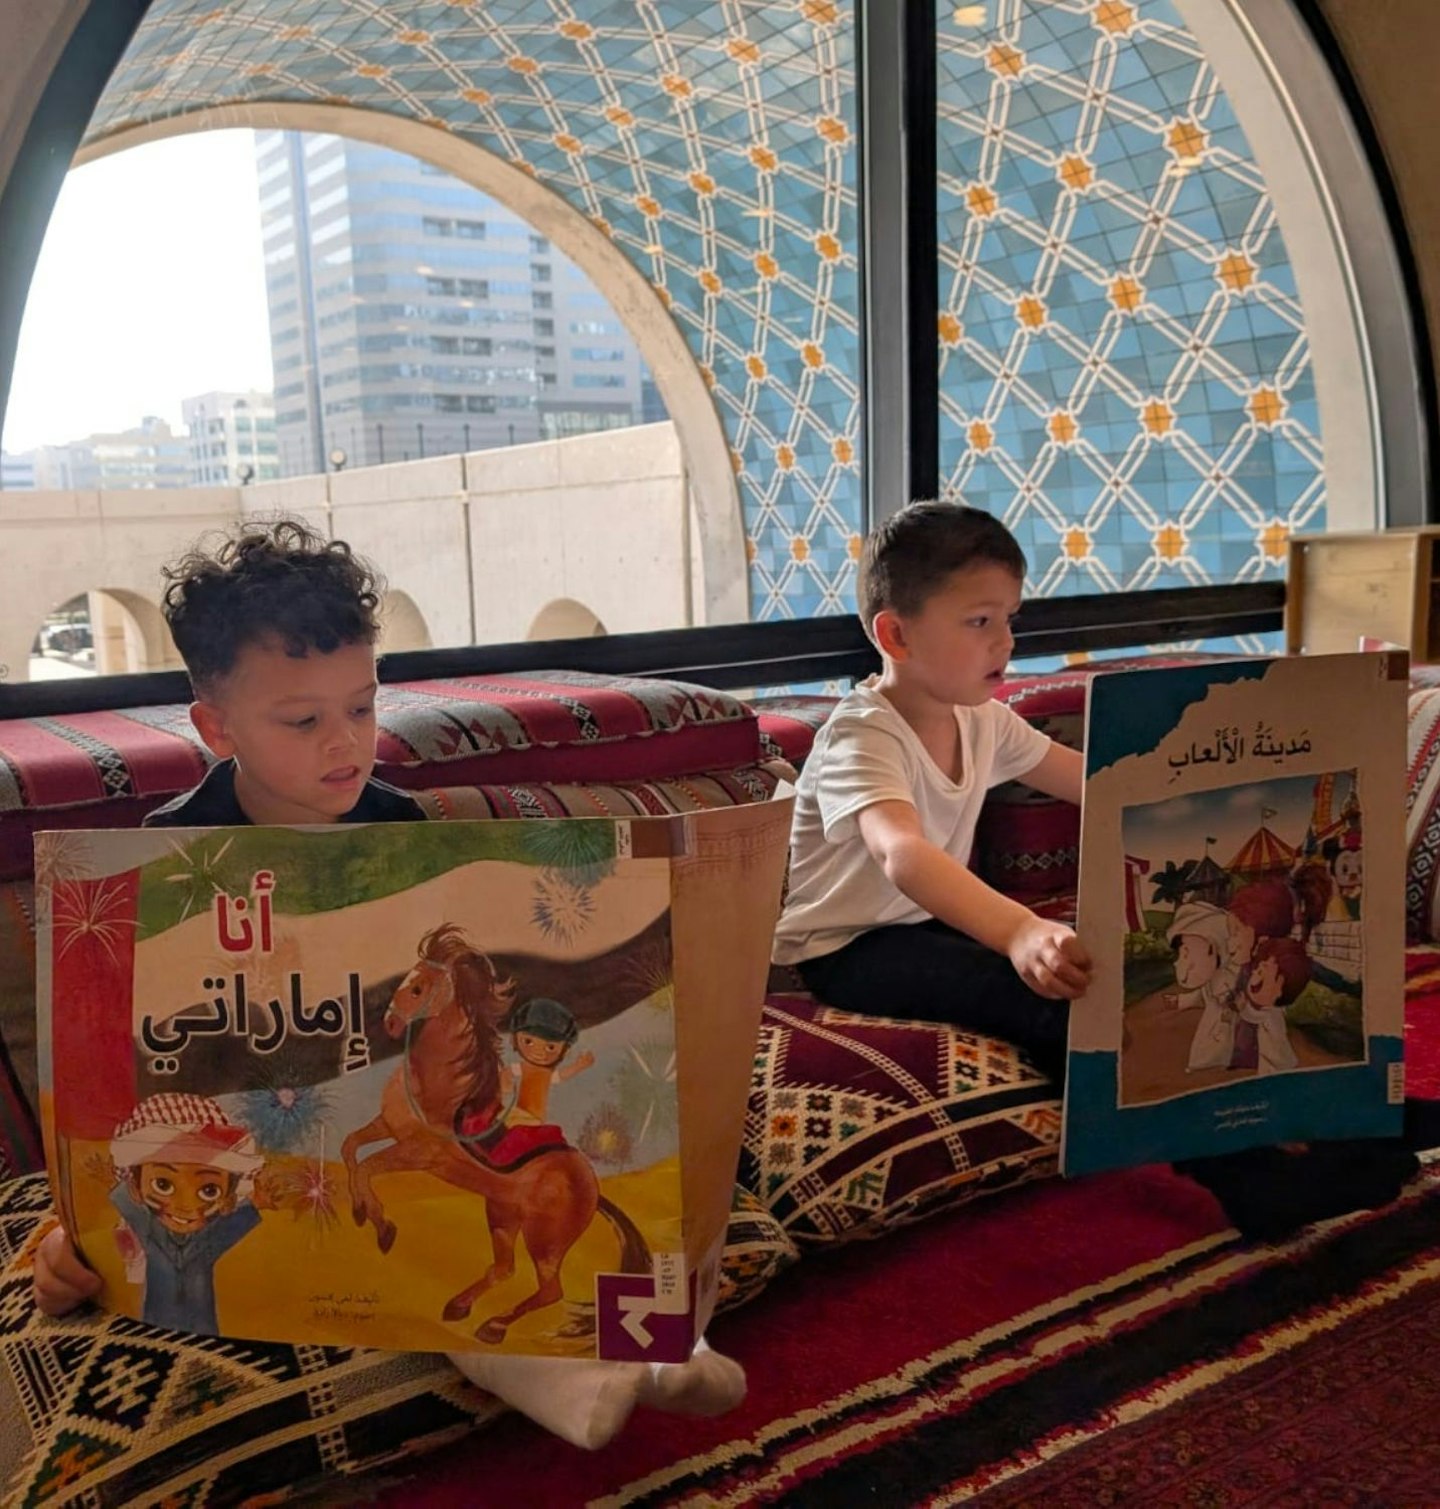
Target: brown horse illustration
{"type": "Point", "coordinates": [449, 1008]}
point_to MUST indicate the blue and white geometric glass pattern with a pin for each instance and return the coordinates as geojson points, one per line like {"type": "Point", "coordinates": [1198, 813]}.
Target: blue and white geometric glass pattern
{"type": "Point", "coordinates": [1124, 368]}
{"type": "Point", "coordinates": [712, 140]}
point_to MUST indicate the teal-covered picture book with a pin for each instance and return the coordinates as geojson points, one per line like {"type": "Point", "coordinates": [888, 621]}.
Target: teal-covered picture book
{"type": "Point", "coordinates": [1241, 877]}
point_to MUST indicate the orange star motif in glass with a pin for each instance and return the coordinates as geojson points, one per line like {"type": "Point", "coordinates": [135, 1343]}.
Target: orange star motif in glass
{"type": "Point", "coordinates": [1266, 406]}
{"type": "Point", "coordinates": [1126, 294]}
{"type": "Point", "coordinates": [1169, 542]}
{"type": "Point", "coordinates": [1186, 140]}
{"type": "Point", "coordinates": [1076, 544]}
{"type": "Point", "coordinates": [1031, 312]}
{"type": "Point", "coordinates": [1274, 539]}
{"type": "Point", "coordinates": [1236, 271]}
{"type": "Point", "coordinates": [1114, 16]}
{"type": "Point", "coordinates": [1158, 417]}
{"type": "Point", "coordinates": [1075, 173]}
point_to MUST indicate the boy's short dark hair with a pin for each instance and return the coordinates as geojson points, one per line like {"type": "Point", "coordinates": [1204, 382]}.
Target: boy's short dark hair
{"type": "Point", "coordinates": [269, 579]}
{"type": "Point", "coordinates": [913, 553]}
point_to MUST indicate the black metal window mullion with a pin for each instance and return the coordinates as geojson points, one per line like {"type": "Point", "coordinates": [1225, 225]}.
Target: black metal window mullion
{"type": "Point", "coordinates": [895, 67]}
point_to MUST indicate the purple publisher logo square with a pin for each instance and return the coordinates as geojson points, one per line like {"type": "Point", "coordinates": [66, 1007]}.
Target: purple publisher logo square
{"type": "Point", "coordinates": [631, 1327]}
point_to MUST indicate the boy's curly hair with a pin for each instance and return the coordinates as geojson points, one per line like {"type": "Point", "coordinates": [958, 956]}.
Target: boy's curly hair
{"type": "Point", "coordinates": [910, 556]}
{"type": "Point", "coordinates": [269, 579]}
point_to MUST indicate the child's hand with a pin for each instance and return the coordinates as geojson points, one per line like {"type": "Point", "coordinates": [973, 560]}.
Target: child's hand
{"type": "Point", "coordinates": [62, 1281]}
{"type": "Point", "coordinates": [584, 1060]}
{"type": "Point", "coordinates": [1050, 959]}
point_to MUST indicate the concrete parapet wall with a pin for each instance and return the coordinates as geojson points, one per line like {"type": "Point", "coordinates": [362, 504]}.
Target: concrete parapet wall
{"type": "Point", "coordinates": [474, 549]}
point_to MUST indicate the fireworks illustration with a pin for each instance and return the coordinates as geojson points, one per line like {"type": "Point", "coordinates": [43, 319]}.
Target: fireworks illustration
{"type": "Point", "coordinates": [586, 849]}
{"type": "Point", "coordinates": [605, 1136]}
{"type": "Point", "coordinates": [85, 911]}
{"type": "Point", "coordinates": [199, 873]}
{"type": "Point", "coordinates": [644, 1087]}
{"type": "Point", "coordinates": [305, 1190]}
{"type": "Point", "coordinates": [100, 1169]}
{"type": "Point", "coordinates": [284, 1115]}
{"type": "Point", "coordinates": [60, 857]}
{"type": "Point", "coordinates": [559, 908]}
{"type": "Point", "coordinates": [649, 971]}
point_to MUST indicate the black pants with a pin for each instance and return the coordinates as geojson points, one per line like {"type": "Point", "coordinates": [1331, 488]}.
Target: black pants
{"type": "Point", "coordinates": [929, 972]}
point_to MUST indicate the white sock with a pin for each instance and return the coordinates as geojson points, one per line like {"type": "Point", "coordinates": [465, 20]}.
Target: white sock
{"type": "Point", "coordinates": [708, 1384]}
{"type": "Point", "coordinates": [587, 1402]}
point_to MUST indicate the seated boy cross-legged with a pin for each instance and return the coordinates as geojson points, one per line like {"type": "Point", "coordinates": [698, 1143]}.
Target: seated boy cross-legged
{"type": "Point", "coordinates": [884, 914]}
{"type": "Point", "coordinates": [277, 628]}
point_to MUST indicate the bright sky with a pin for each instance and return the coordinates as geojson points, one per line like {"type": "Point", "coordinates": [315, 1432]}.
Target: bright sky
{"type": "Point", "coordinates": [149, 289]}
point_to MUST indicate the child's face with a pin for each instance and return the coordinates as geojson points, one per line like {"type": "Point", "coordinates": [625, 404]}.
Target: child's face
{"type": "Point", "coordinates": [959, 643]}
{"type": "Point", "coordinates": [543, 1051]}
{"type": "Point", "coordinates": [1349, 872]}
{"type": "Point", "coordinates": [184, 1195]}
{"type": "Point", "coordinates": [301, 729]}
{"type": "Point", "coordinates": [1195, 962]}
{"type": "Point", "coordinates": [1266, 984]}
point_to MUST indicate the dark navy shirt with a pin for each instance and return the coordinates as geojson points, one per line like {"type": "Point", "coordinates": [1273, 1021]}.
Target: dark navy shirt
{"type": "Point", "coordinates": [213, 804]}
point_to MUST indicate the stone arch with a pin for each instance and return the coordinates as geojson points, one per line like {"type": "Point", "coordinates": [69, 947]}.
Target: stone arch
{"type": "Point", "coordinates": [677, 374]}
{"type": "Point", "coordinates": [402, 624]}
{"type": "Point", "coordinates": [564, 618]}
{"type": "Point", "coordinates": [130, 633]}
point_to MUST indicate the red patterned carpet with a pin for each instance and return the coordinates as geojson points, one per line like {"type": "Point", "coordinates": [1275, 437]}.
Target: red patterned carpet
{"type": "Point", "coordinates": [1106, 1341]}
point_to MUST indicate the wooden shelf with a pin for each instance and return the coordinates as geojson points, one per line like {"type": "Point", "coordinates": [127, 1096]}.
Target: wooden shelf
{"type": "Point", "coordinates": [1384, 584]}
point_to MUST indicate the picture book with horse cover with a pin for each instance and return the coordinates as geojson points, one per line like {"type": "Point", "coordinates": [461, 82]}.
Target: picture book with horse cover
{"type": "Point", "coordinates": [1241, 895]}
{"type": "Point", "coordinates": [417, 1086]}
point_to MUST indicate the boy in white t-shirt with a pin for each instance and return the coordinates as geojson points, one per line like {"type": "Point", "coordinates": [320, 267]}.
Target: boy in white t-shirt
{"type": "Point", "coordinates": [883, 912]}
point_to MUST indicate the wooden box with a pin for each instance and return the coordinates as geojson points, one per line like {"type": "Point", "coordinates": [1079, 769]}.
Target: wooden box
{"type": "Point", "coordinates": [1385, 584]}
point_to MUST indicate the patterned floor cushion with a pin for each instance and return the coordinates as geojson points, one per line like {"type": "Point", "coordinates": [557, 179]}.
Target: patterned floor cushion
{"type": "Point", "coordinates": [655, 798]}
{"type": "Point", "coordinates": [788, 724]}
{"type": "Point", "coordinates": [1422, 817]}
{"type": "Point", "coordinates": [107, 769]}
{"type": "Point", "coordinates": [102, 1411]}
{"type": "Point", "coordinates": [858, 1124]}
{"type": "Point", "coordinates": [558, 726]}
{"type": "Point", "coordinates": [19, 1132]}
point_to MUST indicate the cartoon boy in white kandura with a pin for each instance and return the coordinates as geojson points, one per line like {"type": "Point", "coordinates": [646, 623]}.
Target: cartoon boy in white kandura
{"type": "Point", "coordinates": [1207, 976]}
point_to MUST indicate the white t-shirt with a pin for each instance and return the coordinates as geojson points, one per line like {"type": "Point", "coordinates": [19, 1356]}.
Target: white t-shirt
{"type": "Point", "coordinates": [867, 753]}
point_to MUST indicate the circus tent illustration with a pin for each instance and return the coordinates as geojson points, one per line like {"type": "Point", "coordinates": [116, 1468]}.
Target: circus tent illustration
{"type": "Point", "coordinates": [1135, 872]}
{"type": "Point", "coordinates": [1263, 853]}
{"type": "Point", "coordinates": [1207, 881]}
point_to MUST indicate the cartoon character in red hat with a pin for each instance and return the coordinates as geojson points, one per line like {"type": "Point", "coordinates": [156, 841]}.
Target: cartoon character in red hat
{"type": "Point", "coordinates": [186, 1196]}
